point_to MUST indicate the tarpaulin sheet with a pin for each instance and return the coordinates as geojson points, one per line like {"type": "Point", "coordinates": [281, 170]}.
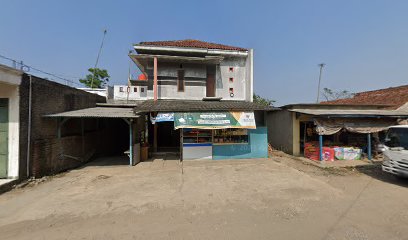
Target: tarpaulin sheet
{"type": "Point", "coordinates": [332, 126]}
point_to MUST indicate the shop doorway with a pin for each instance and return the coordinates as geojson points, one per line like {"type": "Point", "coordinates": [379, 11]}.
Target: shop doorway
{"type": "Point", "coordinates": [168, 139]}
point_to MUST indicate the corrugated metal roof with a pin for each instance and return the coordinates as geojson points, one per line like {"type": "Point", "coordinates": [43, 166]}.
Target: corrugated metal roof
{"type": "Point", "coordinates": [197, 106]}
{"type": "Point", "coordinates": [98, 112]}
{"type": "Point", "coordinates": [352, 112]}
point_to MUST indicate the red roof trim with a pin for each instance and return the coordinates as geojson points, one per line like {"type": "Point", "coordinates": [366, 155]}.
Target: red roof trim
{"type": "Point", "coordinates": [192, 43]}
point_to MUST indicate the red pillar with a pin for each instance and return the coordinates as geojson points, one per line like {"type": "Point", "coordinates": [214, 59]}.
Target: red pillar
{"type": "Point", "coordinates": [155, 78]}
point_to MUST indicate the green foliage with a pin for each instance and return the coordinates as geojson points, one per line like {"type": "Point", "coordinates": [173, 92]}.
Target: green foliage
{"type": "Point", "coordinates": [97, 78]}
{"type": "Point", "coordinates": [330, 94]}
{"type": "Point", "coordinates": [263, 101]}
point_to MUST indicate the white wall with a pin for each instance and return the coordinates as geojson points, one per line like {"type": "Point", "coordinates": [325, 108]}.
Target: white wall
{"type": "Point", "coordinates": [189, 93]}
{"type": "Point", "coordinates": [239, 76]}
{"type": "Point", "coordinates": [133, 93]}
{"type": "Point", "coordinates": [12, 93]}
{"type": "Point", "coordinates": [10, 76]}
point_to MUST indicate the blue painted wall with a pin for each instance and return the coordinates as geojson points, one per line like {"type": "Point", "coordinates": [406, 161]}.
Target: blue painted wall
{"type": "Point", "coordinates": [257, 147]}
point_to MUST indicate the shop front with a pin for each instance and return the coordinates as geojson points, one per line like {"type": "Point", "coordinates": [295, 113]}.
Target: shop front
{"type": "Point", "coordinates": [218, 135]}
{"type": "Point", "coordinates": [210, 129]}
{"type": "Point", "coordinates": [221, 135]}
{"type": "Point", "coordinates": [331, 139]}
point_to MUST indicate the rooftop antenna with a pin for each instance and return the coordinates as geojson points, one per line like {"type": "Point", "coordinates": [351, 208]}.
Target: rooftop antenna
{"type": "Point", "coordinates": [97, 58]}
{"type": "Point", "coordinates": [321, 65]}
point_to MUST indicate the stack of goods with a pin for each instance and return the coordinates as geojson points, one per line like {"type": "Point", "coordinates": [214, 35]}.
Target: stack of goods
{"type": "Point", "coordinates": [328, 154]}
{"type": "Point", "coordinates": [347, 153]}
{"type": "Point", "coordinates": [312, 150]}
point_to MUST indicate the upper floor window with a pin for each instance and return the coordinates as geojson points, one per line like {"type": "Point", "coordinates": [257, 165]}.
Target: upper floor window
{"type": "Point", "coordinates": [231, 79]}
{"type": "Point", "coordinates": [180, 80]}
{"type": "Point", "coordinates": [231, 69]}
{"type": "Point", "coordinates": [120, 89]}
{"type": "Point", "coordinates": [135, 89]}
{"type": "Point", "coordinates": [142, 89]}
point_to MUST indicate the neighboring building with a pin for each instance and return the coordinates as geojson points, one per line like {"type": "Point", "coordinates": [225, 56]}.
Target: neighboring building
{"type": "Point", "coordinates": [353, 122]}
{"type": "Point", "coordinates": [99, 91]}
{"type": "Point", "coordinates": [10, 80]}
{"type": "Point", "coordinates": [392, 98]}
{"type": "Point", "coordinates": [32, 145]}
{"type": "Point", "coordinates": [124, 92]}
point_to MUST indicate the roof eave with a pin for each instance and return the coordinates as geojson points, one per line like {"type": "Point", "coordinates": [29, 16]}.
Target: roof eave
{"type": "Point", "coordinates": [190, 50]}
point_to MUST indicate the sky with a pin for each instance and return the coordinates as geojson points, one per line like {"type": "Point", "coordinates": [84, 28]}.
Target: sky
{"type": "Point", "coordinates": [364, 43]}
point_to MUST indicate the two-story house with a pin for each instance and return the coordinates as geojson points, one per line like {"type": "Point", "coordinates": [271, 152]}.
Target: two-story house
{"type": "Point", "coordinates": [199, 97]}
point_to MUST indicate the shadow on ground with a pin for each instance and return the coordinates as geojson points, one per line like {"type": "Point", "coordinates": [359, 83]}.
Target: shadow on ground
{"type": "Point", "coordinates": [124, 160]}
{"type": "Point", "coordinates": [108, 161]}
{"type": "Point", "coordinates": [376, 172]}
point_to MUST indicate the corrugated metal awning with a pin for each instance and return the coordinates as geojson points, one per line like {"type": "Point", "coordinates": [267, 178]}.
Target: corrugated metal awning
{"type": "Point", "coordinates": [199, 106]}
{"type": "Point", "coordinates": [97, 112]}
{"type": "Point", "coordinates": [352, 112]}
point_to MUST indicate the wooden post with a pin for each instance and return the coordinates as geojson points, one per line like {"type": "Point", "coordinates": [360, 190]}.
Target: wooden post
{"type": "Point", "coordinates": [369, 146]}
{"type": "Point", "coordinates": [83, 135]}
{"type": "Point", "coordinates": [155, 137]}
{"type": "Point", "coordinates": [155, 78]}
{"type": "Point", "coordinates": [130, 142]}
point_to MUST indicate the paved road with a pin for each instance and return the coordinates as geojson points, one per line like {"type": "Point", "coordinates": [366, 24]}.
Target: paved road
{"type": "Point", "coordinates": [248, 199]}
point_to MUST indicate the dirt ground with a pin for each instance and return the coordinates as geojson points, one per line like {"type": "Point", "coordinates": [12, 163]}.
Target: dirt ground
{"type": "Point", "coordinates": [279, 198]}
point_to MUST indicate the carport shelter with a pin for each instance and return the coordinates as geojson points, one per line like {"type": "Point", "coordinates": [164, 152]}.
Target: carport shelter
{"type": "Point", "coordinates": [127, 114]}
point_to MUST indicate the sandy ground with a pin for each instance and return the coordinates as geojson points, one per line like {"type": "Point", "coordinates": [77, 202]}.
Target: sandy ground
{"type": "Point", "coordinates": [279, 198]}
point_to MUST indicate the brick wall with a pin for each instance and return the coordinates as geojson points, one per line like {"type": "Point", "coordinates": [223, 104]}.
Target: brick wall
{"type": "Point", "coordinates": [53, 155]}
{"type": "Point", "coordinates": [46, 149]}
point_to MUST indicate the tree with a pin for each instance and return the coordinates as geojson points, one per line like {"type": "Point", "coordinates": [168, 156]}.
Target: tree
{"type": "Point", "coordinates": [97, 78]}
{"type": "Point", "coordinates": [330, 94]}
{"type": "Point", "coordinates": [263, 101]}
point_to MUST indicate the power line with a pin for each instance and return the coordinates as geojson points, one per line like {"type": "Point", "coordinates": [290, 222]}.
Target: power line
{"type": "Point", "coordinates": [27, 68]}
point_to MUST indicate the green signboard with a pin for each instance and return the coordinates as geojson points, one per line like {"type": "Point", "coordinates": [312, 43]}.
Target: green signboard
{"type": "Point", "coordinates": [214, 120]}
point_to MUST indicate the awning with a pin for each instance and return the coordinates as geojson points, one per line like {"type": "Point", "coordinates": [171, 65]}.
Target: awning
{"type": "Point", "coordinates": [97, 112]}
{"type": "Point", "coordinates": [162, 117]}
{"type": "Point", "coordinates": [332, 126]}
{"type": "Point", "coordinates": [163, 105]}
{"type": "Point", "coordinates": [214, 120]}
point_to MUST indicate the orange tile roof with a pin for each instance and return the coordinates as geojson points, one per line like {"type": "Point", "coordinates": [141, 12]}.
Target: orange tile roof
{"type": "Point", "coordinates": [393, 96]}
{"type": "Point", "coordinates": [192, 43]}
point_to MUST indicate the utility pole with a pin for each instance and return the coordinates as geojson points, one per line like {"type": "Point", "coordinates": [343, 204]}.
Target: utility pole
{"type": "Point", "coordinates": [321, 65]}
{"type": "Point", "coordinates": [128, 88]}
{"type": "Point", "coordinates": [97, 58]}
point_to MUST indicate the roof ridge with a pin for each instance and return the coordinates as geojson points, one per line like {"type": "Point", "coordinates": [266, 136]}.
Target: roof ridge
{"type": "Point", "coordinates": [382, 89]}
{"type": "Point", "coordinates": [193, 43]}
